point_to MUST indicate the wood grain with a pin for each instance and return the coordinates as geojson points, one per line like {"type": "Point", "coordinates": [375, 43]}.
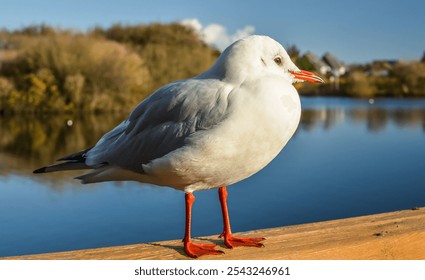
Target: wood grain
{"type": "Point", "coordinates": [396, 235]}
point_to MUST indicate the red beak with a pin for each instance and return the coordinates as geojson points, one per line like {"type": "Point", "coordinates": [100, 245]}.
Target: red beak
{"type": "Point", "coordinates": [307, 76]}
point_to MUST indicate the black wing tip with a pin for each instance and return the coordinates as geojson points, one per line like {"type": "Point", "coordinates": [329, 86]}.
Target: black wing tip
{"type": "Point", "coordinates": [40, 170]}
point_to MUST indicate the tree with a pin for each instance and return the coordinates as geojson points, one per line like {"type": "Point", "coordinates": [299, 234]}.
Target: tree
{"type": "Point", "coordinates": [293, 52]}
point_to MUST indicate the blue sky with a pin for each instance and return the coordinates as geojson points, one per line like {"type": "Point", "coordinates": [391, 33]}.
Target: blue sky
{"type": "Point", "coordinates": [355, 31]}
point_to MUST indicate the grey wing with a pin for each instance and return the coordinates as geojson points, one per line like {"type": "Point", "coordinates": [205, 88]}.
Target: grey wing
{"type": "Point", "coordinates": [162, 123]}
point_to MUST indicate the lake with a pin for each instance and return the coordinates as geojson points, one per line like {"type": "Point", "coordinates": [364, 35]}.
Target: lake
{"type": "Point", "coordinates": [347, 158]}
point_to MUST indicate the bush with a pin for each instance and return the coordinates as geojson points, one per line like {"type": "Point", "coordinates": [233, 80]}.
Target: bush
{"type": "Point", "coordinates": [359, 85]}
{"type": "Point", "coordinates": [103, 70]}
{"type": "Point", "coordinates": [171, 52]}
{"type": "Point", "coordinates": [411, 78]}
{"type": "Point", "coordinates": [59, 72]}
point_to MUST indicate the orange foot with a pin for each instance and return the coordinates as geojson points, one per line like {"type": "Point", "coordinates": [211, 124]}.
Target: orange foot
{"type": "Point", "coordinates": [197, 250]}
{"type": "Point", "coordinates": [232, 241]}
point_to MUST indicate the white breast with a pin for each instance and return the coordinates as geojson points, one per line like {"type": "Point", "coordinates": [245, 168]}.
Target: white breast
{"type": "Point", "coordinates": [262, 118]}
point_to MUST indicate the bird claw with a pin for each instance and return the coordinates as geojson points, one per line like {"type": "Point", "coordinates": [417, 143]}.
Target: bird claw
{"type": "Point", "coordinates": [197, 250]}
{"type": "Point", "coordinates": [230, 241]}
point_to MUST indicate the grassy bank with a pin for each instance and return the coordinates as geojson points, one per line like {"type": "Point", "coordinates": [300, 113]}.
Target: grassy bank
{"type": "Point", "coordinates": [43, 69]}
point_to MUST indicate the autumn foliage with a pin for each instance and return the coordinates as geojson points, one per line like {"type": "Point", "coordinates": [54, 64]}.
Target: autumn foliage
{"type": "Point", "coordinates": [101, 70]}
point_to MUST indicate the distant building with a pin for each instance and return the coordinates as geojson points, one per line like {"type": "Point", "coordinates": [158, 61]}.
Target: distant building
{"type": "Point", "coordinates": [328, 65]}
{"type": "Point", "coordinates": [338, 68]}
{"type": "Point", "coordinates": [380, 68]}
{"type": "Point", "coordinates": [317, 63]}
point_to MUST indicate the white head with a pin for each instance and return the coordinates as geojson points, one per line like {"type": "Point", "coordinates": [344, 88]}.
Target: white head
{"type": "Point", "coordinates": [256, 56]}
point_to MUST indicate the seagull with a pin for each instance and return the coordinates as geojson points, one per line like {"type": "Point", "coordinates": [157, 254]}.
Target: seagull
{"type": "Point", "coordinates": [209, 131]}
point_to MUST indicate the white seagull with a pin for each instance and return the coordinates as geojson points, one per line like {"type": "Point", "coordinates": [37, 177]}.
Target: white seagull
{"type": "Point", "coordinates": [206, 132]}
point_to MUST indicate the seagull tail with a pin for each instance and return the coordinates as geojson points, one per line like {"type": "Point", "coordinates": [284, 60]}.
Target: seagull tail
{"type": "Point", "coordinates": [67, 165]}
{"type": "Point", "coordinates": [107, 172]}
{"type": "Point", "coordinates": [94, 176]}
{"type": "Point", "coordinates": [71, 162]}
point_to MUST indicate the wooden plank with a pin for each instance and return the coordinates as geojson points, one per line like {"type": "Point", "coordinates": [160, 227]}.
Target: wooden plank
{"type": "Point", "coordinates": [395, 235]}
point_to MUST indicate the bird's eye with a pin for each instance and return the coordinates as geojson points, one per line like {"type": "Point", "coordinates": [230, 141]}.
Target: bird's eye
{"type": "Point", "coordinates": [278, 60]}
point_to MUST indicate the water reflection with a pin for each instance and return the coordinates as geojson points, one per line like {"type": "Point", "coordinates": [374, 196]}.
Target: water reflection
{"type": "Point", "coordinates": [349, 158]}
{"type": "Point", "coordinates": [28, 142]}
{"type": "Point", "coordinates": [376, 119]}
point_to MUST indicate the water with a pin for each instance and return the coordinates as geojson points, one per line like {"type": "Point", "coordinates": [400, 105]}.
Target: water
{"type": "Point", "coordinates": [348, 158]}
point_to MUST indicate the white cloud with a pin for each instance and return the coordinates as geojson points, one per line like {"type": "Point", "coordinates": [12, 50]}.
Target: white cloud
{"type": "Point", "coordinates": [193, 23]}
{"type": "Point", "coordinates": [216, 35]}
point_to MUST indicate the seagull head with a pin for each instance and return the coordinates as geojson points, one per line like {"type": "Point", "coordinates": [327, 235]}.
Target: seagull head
{"type": "Point", "coordinates": [255, 56]}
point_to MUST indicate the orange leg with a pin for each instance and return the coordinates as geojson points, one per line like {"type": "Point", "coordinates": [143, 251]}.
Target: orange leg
{"type": "Point", "coordinates": [191, 249]}
{"type": "Point", "coordinates": [229, 239]}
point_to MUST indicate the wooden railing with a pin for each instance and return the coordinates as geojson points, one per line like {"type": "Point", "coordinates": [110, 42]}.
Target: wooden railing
{"type": "Point", "coordinates": [395, 235]}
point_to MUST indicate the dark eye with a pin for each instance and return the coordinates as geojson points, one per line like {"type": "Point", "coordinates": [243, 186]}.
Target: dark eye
{"type": "Point", "coordinates": [278, 60]}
